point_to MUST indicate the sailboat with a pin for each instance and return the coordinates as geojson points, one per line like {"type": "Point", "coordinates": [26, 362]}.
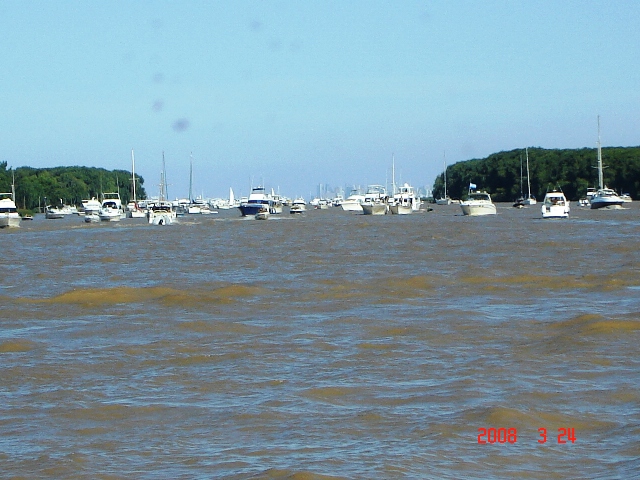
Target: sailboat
{"type": "Point", "coordinates": [531, 199]}
{"type": "Point", "coordinates": [604, 197]}
{"type": "Point", "coordinates": [133, 210]}
{"type": "Point", "coordinates": [519, 203]}
{"type": "Point", "coordinates": [444, 200]}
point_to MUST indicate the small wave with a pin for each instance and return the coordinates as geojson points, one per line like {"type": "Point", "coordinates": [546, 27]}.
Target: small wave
{"type": "Point", "coordinates": [590, 324]}
{"type": "Point", "coordinates": [166, 295]}
{"type": "Point", "coordinates": [278, 474]}
{"type": "Point", "coordinates": [17, 345]}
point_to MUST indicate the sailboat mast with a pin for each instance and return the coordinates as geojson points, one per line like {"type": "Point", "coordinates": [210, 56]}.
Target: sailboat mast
{"type": "Point", "coordinates": [444, 159]}
{"type": "Point", "coordinates": [528, 181]}
{"type": "Point", "coordinates": [521, 176]}
{"type": "Point", "coordinates": [191, 178]}
{"type": "Point", "coordinates": [133, 175]}
{"type": "Point", "coordinates": [600, 175]}
{"type": "Point", "coordinates": [393, 174]}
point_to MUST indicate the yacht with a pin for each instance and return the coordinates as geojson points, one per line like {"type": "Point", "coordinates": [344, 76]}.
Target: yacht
{"type": "Point", "coordinates": [256, 201]}
{"type": "Point", "coordinates": [555, 205]}
{"type": "Point", "coordinates": [161, 213]}
{"type": "Point", "coordinates": [353, 203]}
{"type": "Point", "coordinates": [52, 212]}
{"type": "Point", "coordinates": [375, 201]}
{"type": "Point", "coordinates": [111, 209]}
{"type": "Point", "coordinates": [91, 206]}
{"type": "Point", "coordinates": [405, 201]}
{"type": "Point", "coordinates": [478, 203]}
{"type": "Point", "coordinates": [9, 216]}
{"type": "Point", "coordinates": [298, 206]}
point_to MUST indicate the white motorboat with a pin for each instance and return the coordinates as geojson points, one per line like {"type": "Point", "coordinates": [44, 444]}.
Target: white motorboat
{"type": "Point", "coordinates": [52, 212]}
{"type": "Point", "coordinates": [91, 218]}
{"type": "Point", "coordinates": [477, 203]}
{"type": "Point", "coordinates": [604, 197]}
{"type": "Point", "coordinates": [555, 205]}
{"type": "Point", "coordinates": [626, 198]}
{"type": "Point", "coordinates": [262, 214]}
{"type": "Point", "coordinates": [298, 206]}
{"type": "Point", "coordinates": [405, 201]}
{"type": "Point", "coordinates": [111, 209]}
{"type": "Point", "coordinates": [92, 205]}
{"type": "Point", "coordinates": [9, 216]}
{"type": "Point", "coordinates": [353, 203]}
{"type": "Point", "coordinates": [375, 201]}
{"type": "Point", "coordinates": [161, 213]}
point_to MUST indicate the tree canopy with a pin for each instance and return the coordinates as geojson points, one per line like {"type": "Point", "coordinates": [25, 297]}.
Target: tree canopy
{"type": "Point", "coordinates": [69, 185]}
{"type": "Point", "coordinates": [572, 170]}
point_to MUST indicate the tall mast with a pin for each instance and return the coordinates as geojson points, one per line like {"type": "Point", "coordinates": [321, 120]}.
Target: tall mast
{"type": "Point", "coordinates": [393, 174]}
{"type": "Point", "coordinates": [444, 159]}
{"type": "Point", "coordinates": [528, 182]}
{"type": "Point", "coordinates": [521, 175]}
{"type": "Point", "coordinates": [191, 178]}
{"type": "Point", "coordinates": [133, 175]}
{"type": "Point", "coordinates": [600, 175]}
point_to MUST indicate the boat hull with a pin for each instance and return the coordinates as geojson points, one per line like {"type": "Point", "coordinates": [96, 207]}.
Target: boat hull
{"type": "Point", "coordinates": [374, 209]}
{"type": "Point", "coordinates": [597, 203]}
{"type": "Point", "coordinates": [400, 209]}
{"type": "Point", "coordinates": [555, 211]}
{"type": "Point", "coordinates": [476, 210]}
{"type": "Point", "coordinates": [9, 221]}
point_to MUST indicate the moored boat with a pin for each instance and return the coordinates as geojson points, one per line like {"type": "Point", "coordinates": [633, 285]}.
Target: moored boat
{"type": "Point", "coordinates": [111, 209]}
{"type": "Point", "coordinates": [257, 200]}
{"type": "Point", "coordinates": [555, 205]}
{"type": "Point", "coordinates": [604, 197]}
{"type": "Point", "coordinates": [298, 206]}
{"type": "Point", "coordinates": [9, 216]}
{"type": "Point", "coordinates": [375, 201]}
{"type": "Point", "coordinates": [478, 203]}
{"type": "Point", "coordinates": [262, 214]}
{"type": "Point", "coordinates": [405, 201]}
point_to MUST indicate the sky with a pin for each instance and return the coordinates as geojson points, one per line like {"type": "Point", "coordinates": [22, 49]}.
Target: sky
{"type": "Point", "coordinates": [294, 94]}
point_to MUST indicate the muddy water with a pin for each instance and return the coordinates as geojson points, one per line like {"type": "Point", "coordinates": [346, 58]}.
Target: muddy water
{"type": "Point", "coordinates": [331, 345]}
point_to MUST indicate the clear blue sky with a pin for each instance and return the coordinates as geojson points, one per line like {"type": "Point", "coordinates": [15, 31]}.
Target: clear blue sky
{"type": "Point", "coordinates": [296, 93]}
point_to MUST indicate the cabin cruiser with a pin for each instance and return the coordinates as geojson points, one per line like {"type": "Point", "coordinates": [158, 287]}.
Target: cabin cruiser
{"type": "Point", "coordinates": [405, 201]}
{"type": "Point", "coordinates": [298, 206]}
{"type": "Point", "coordinates": [606, 198]}
{"type": "Point", "coordinates": [555, 205]}
{"type": "Point", "coordinates": [353, 203]}
{"type": "Point", "coordinates": [111, 209]}
{"type": "Point", "coordinates": [161, 213]}
{"type": "Point", "coordinates": [91, 206]}
{"type": "Point", "coordinates": [375, 201]}
{"type": "Point", "coordinates": [257, 200]}
{"type": "Point", "coordinates": [9, 216]}
{"type": "Point", "coordinates": [478, 203]}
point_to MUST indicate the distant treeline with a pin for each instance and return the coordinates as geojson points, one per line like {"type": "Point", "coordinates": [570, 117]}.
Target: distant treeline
{"type": "Point", "coordinates": [69, 185]}
{"type": "Point", "coordinates": [571, 170]}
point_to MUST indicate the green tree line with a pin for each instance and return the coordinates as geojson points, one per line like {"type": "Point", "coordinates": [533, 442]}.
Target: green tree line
{"type": "Point", "coordinates": [69, 185]}
{"type": "Point", "coordinates": [572, 170]}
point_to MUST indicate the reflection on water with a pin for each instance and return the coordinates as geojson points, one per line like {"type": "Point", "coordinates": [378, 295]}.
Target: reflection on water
{"type": "Point", "coordinates": [329, 345]}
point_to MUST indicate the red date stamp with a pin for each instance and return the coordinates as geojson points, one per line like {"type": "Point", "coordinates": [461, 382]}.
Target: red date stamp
{"type": "Point", "coordinates": [510, 435]}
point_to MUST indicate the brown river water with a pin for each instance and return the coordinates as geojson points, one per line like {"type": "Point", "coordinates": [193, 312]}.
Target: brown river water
{"type": "Point", "coordinates": [331, 345]}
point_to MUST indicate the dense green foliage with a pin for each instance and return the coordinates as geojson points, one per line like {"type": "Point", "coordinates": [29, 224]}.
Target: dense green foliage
{"type": "Point", "coordinates": [68, 185]}
{"type": "Point", "coordinates": [571, 170]}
